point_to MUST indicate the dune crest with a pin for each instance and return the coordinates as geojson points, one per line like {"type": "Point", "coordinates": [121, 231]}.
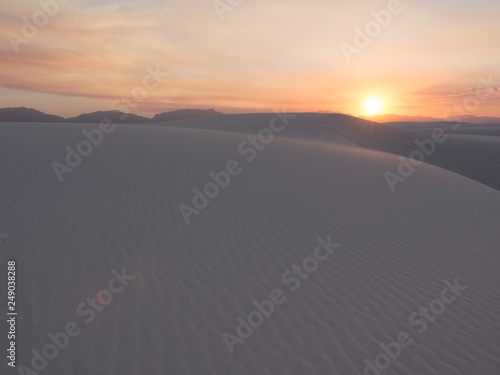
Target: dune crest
{"type": "Point", "coordinates": [323, 175]}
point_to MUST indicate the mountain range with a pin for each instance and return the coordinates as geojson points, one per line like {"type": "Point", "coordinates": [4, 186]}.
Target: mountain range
{"type": "Point", "coordinates": [400, 118]}
{"type": "Point", "coordinates": [386, 118]}
{"type": "Point", "coordinates": [22, 114]}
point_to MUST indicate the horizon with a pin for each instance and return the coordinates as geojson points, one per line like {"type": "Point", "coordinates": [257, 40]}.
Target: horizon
{"type": "Point", "coordinates": [368, 58]}
{"type": "Point", "coordinates": [395, 117]}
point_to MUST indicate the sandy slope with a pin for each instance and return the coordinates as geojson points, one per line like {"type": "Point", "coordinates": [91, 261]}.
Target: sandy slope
{"type": "Point", "coordinates": [323, 175]}
{"type": "Point", "coordinates": [470, 149]}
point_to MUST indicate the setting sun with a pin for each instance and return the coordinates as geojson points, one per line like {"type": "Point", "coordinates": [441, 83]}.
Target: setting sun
{"type": "Point", "coordinates": [373, 106]}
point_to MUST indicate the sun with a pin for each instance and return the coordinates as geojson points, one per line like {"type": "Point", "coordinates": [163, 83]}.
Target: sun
{"type": "Point", "coordinates": [373, 106]}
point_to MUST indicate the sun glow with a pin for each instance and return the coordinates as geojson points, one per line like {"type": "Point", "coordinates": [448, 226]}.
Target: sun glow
{"type": "Point", "coordinates": [373, 106]}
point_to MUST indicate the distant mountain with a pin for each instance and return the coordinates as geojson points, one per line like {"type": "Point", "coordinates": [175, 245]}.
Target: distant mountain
{"type": "Point", "coordinates": [185, 113]}
{"type": "Point", "coordinates": [401, 118]}
{"type": "Point", "coordinates": [480, 120]}
{"type": "Point", "coordinates": [22, 114]}
{"type": "Point", "coordinates": [115, 116]}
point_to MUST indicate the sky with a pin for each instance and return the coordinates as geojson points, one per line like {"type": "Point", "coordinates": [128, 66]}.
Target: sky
{"type": "Point", "coordinates": [429, 57]}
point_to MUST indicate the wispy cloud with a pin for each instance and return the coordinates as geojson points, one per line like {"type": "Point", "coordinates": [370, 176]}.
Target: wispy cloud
{"type": "Point", "coordinates": [264, 55]}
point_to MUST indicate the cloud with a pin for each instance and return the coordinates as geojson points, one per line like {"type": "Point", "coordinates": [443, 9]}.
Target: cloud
{"type": "Point", "coordinates": [263, 54]}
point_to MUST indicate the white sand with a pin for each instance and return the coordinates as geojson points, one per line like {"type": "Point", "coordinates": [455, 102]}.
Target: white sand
{"type": "Point", "coordinates": [323, 175]}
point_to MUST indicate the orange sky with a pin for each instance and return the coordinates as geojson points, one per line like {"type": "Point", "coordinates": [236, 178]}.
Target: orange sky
{"type": "Point", "coordinates": [263, 54]}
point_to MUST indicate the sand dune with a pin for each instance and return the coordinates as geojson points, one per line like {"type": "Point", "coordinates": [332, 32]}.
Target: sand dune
{"type": "Point", "coordinates": [470, 149]}
{"type": "Point", "coordinates": [322, 175]}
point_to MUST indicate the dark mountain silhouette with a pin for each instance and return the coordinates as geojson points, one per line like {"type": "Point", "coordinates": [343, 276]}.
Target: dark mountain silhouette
{"type": "Point", "coordinates": [115, 116]}
{"type": "Point", "coordinates": [185, 113]}
{"type": "Point", "coordinates": [400, 118]}
{"type": "Point", "coordinates": [22, 114]}
{"type": "Point", "coordinates": [479, 120]}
